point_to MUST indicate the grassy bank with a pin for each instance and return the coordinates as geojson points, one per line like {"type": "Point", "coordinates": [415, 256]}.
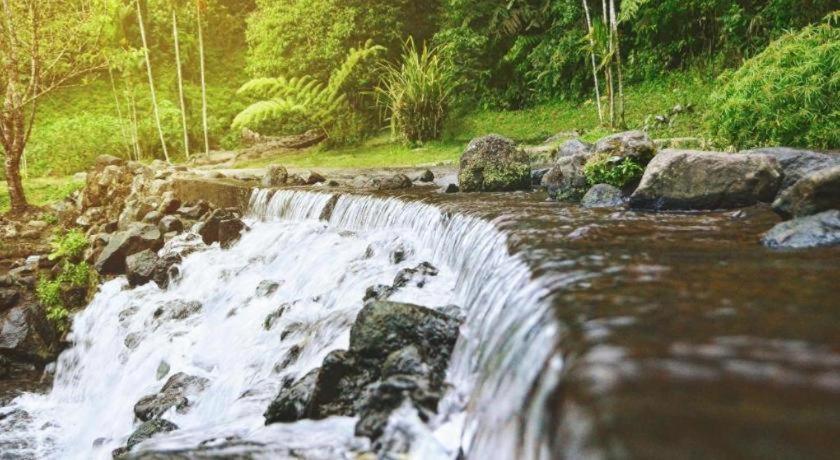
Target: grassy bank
{"type": "Point", "coordinates": [42, 190]}
{"type": "Point", "coordinates": [529, 126]}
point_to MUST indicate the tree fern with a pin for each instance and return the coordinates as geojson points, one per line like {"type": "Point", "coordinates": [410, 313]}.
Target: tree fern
{"type": "Point", "coordinates": [321, 104]}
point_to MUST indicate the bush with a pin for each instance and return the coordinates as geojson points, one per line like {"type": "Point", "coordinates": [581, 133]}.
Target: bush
{"type": "Point", "coordinates": [68, 246]}
{"type": "Point", "coordinates": [604, 169]}
{"type": "Point", "coordinates": [63, 146]}
{"type": "Point", "coordinates": [786, 95]}
{"type": "Point", "coordinates": [416, 94]}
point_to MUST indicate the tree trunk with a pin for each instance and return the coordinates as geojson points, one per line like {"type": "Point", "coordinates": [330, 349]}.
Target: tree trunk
{"type": "Point", "coordinates": [151, 82]}
{"type": "Point", "coordinates": [13, 180]}
{"type": "Point", "coordinates": [180, 84]}
{"type": "Point", "coordinates": [614, 38]}
{"type": "Point", "coordinates": [608, 66]}
{"type": "Point", "coordinates": [123, 129]}
{"type": "Point", "coordinates": [203, 82]}
{"type": "Point", "coordinates": [594, 65]}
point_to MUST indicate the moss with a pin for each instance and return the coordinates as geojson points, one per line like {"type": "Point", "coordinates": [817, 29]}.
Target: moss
{"type": "Point", "coordinates": [509, 177]}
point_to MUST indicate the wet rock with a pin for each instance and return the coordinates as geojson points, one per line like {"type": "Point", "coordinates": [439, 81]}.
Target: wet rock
{"type": "Point", "coordinates": [272, 317]}
{"type": "Point", "coordinates": [148, 429]}
{"type": "Point", "coordinates": [312, 178]}
{"type": "Point", "coordinates": [152, 217]}
{"type": "Point", "coordinates": [275, 176]}
{"type": "Point", "coordinates": [165, 269]}
{"type": "Point", "coordinates": [816, 192]}
{"type": "Point", "coordinates": [26, 334]}
{"type": "Point", "coordinates": [173, 394]}
{"type": "Point", "coordinates": [399, 254]}
{"type": "Point", "coordinates": [295, 180]}
{"type": "Point", "coordinates": [451, 188]}
{"type": "Point", "coordinates": [8, 298]}
{"type": "Point", "coordinates": [493, 164]}
{"type": "Point", "coordinates": [796, 163]}
{"type": "Point", "coordinates": [813, 231]}
{"type": "Point", "coordinates": [292, 403]}
{"type": "Point", "coordinates": [162, 370]}
{"type": "Point", "coordinates": [426, 176]}
{"type": "Point", "coordinates": [266, 288]}
{"type": "Point", "coordinates": [405, 361]}
{"type": "Point", "coordinates": [177, 310]}
{"type": "Point", "coordinates": [537, 175]}
{"type": "Point", "coordinates": [632, 144]}
{"type": "Point", "coordinates": [384, 397]}
{"type": "Point", "coordinates": [139, 237]}
{"type": "Point", "coordinates": [378, 292]}
{"type": "Point", "coordinates": [603, 196]}
{"type": "Point", "coordinates": [382, 328]}
{"type": "Point", "coordinates": [685, 179]}
{"type": "Point", "coordinates": [5, 369]}
{"type": "Point", "coordinates": [171, 224]}
{"type": "Point", "coordinates": [140, 267]}
{"type": "Point", "coordinates": [416, 276]}
{"type": "Point", "coordinates": [395, 182]}
{"type": "Point", "coordinates": [195, 211]}
{"type": "Point", "coordinates": [565, 180]}
{"type": "Point", "coordinates": [224, 226]}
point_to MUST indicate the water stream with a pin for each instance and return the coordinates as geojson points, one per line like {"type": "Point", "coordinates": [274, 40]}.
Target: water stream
{"type": "Point", "coordinates": [214, 321]}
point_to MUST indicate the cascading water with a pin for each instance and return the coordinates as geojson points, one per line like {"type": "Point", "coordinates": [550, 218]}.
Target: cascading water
{"type": "Point", "coordinates": [213, 322]}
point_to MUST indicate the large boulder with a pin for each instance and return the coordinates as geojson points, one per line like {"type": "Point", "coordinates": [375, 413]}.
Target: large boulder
{"type": "Point", "coordinates": [686, 179]}
{"type": "Point", "coordinates": [797, 163]}
{"type": "Point", "coordinates": [633, 144]}
{"type": "Point", "coordinates": [494, 164]}
{"type": "Point", "coordinates": [8, 298]}
{"type": "Point", "coordinates": [816, 192]}
{"type": "Point", "coordinates": [137, 238]}
{"type": "Point", "coordinates": [817, 230]}
{"type": "Point", "coordinates": [26, 334]}
{"type": "Point", "coordinates": [565, 180]}
{"type": "Point", "coordinates": [140, 267]}
{"type": "Point", "coordinates": [395, 182]}
{"type": "Point", "coordinates": [382, 328]}
{"type": "Point", "coordinates": [398, 352]}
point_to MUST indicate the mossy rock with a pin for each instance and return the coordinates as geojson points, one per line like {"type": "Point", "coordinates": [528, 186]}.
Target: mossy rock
{"type": "Point", "coordinates": [494, 164]}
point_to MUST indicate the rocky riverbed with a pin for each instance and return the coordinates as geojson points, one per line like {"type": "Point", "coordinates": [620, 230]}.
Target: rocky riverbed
{"type": "Point", "coordinates": [670, 282]}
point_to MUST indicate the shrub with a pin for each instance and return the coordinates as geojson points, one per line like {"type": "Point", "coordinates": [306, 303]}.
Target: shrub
{"type": "Point", "coordinates": [69, 246]}
{"type": "Point", "coordinates": [786, 95]}
{"type": "Point", "coordinates": [416, 94]}
{"type": "Point", "coordinates": [55, 294]}
{"type": "Point", "coordinates": [62, 146]}
{"type": "Point", "coordinates": [615, 171]}
{"type": "Point", "coordinates": [293, 105]}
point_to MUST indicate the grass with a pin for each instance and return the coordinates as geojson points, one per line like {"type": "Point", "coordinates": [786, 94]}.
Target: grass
{"type": "Point", "coordinates": [529, 126]}
{"type": "Point", "coordinates": [42, 191]}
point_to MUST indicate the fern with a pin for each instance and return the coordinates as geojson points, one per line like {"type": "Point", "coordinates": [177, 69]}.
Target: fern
{"type": "Point", "coordinates": [304, 97]}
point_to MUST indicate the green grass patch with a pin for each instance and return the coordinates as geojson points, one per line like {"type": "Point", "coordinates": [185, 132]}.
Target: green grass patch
{"type": "Point", "coordinates": [529, 126]}
{"type": "Point", "coordinates": [42, 190]}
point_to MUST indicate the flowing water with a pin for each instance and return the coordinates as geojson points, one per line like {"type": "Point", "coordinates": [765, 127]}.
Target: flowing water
{"type": "Point", "coordinates": [588, 334]}
{"type": "Point", "coordinates": [323, 251]}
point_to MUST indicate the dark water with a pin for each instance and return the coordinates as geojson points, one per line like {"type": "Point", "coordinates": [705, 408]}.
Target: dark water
{"type": "Point", "coordinates": [684, 337]}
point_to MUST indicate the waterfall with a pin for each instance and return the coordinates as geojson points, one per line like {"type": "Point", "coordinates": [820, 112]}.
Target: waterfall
{"type": "Point", "coordinates": [322, 250]}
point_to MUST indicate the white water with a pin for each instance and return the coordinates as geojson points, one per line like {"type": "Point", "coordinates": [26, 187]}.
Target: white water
{"type": "Point", "coordinates": [324, 268]}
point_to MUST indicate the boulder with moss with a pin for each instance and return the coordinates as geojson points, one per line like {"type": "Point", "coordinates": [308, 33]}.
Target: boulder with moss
{"type": "Point", "coordinates": [494, 164]}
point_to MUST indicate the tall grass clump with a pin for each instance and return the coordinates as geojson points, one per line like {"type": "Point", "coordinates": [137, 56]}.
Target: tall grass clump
{"type": "Point", "coordinates": [416, 94]}
{"type": "Point", "coordinates": [786, 95]}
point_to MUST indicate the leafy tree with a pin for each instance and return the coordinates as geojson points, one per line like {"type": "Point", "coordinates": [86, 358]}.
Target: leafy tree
{"type": "Point", "coordinates": [44, 45]}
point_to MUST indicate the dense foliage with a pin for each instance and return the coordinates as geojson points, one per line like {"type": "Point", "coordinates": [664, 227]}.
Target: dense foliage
{"type": "Point", "coordinates": [618, 172]}
{"type": "Point", "coordinates": [786, 95]}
